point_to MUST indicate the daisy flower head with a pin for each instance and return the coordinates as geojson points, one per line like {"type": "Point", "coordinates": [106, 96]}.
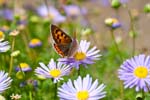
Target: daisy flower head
{"type": "Point", "coordinates": [81, 89]}
{"type": "Point", "coordinates": [74, 10]}
{"type": "Point", "coordinates": [112, 22]}
{"type": "Point", "coordinates": [5, 81]}
{"type": "Point", "coordinates": [35, 43]}
{"type": "Point", "coordinates": [83, 56]}
{"type": "Point", "coordinates": [23, 67]}
{"type": "Point", "coordinates": [135, 73]}
{"type": "Point", "coordinates": [53, 70]}
{"type": "Point", "coordinates": [15, 96]}
{"type": "Point", "coordinates": [2, 36]}
{"type": "Point", "coordinates": [53, 13]}
{"type": "Point", "coordinates": [4, 46]}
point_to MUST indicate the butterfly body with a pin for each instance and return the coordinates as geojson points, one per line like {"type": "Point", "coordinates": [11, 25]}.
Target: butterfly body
{"type": "Point", "coordinates": [63, 44]}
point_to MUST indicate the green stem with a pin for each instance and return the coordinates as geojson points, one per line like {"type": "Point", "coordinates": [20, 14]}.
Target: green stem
{"type": "Point", "coordinates": [55, 93]}
{"type": "Point", "coordinates": [30, 95]}
{"type": "Point", "coordinates": [79, 71]}
{"type": "Point", "coordinates": [143, 95]}
{"type": "Point", "coordinates": [11, 58]}
{"type": "Point", "coordinates": [132, 28]}
{"type": "Point", "coordinates": [116, 45]}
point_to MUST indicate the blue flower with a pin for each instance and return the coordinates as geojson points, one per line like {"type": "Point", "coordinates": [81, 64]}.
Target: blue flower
{"type": "Point", "coordinates": [53, 70]}
{"type": "Point", "coordinates": [53, 13]}
{"type": "Point", "coordinates": [4, 46]}
{"type": "Point", "coordinates": [7, 14]}
{"type": "Point", "coordinates": [81, 89]}
{"type": "Point", "coordinates": [24, 67]}
{"type": "Point", "coordinates": [35, 43]}
{"type": "Point", "coordinates": [74, 10]}
{"type": "Point", "coordinates": [135, 73]}
{"type": "Point", "coordinates": [83, 55]}
{"type": "Point", "coordinates": [5, 81]}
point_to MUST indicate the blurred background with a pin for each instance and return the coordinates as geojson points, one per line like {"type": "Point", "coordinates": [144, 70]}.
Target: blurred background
{"type": "Point", "coordinates": [92, 20]}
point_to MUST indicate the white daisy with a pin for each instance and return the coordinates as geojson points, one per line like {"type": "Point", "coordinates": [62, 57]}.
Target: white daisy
{"type": "Point", "coordinates": [53, 70]}
{"type": "Point", "coordinates": [5, 81]}
{"type": "Point", "coordinates": [81, 89]}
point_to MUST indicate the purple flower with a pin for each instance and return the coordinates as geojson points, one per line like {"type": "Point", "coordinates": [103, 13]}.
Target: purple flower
{"type": "Point", "coordinates": [82, 89]}
{"type": "Point", "coordinates": [5, 81]}
{"type": "Point", "coordinates": [53, 13]}
{"type": "Point", "coordinates": [135, 73]}
{"type": "Point", "coordinates": [74, 10]}
{"type": "Point", "coordinates": [35, 43]}
{"type": "Point", "coordinates": [7, 14]}
{"type": "Point", "coordinates": [112, 22]}
{"type": "Point", "coordinates": [4, 46]}
{"type": "Point", "coordinates": [83, 56]}
{"type": "Point", "coordinates": [53, 70]}
{"type": "Point", "coordinates": [24, 67]}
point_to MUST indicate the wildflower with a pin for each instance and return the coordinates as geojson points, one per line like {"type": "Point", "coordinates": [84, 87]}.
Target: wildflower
{"type": "Point", "coordinates": [7, 14]}
{"type": "Point", "coordinates": [112, 22]}
{"type": "Point", "coordinates": [4, 46]}
{"type": "Point", "coordinates": [74, 10]}
{"type": "Point", "coordinates": [15, 53]}
{"type": "Point", "coordinates": [135, 73]}
{"type": "Point", "coordinates": [15, 96]}
{"type": "Point", "coordinates": [53, 14]}
{"type": "Point", "coordinates": [5, 28]}
{"type": "Point", "coordinates": [5, 81]}
{"type": "Point", "coordinates": [81, 89]}
{"type": "Point", "coordinates": [14, 33]}
{"type": "Point", "coordinates": [24, 67]}
{"type": "Point", "coordinates": [32, 82]}
{"type": "Point", "coordinates": [53, 70]}
{"type": "Point", "coordinates": [35, 43]}
{"type": "Point", "coordinates": [2, 97]}
{"type": "Point", "coordinates": [2, 36]}
{"type": "Point", "coordinates": [82, 56]}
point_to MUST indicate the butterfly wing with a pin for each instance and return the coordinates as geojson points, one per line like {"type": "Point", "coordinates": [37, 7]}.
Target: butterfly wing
{"type": "Point", "coordinates": [62, 41]}
{"type": "Point", "coordinates": [59, 36]}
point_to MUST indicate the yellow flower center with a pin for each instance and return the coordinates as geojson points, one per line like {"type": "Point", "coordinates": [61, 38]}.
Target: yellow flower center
{"type": "Point", "coordinates": [24, 65]}
{"type": "Point", "coordinates": [55, 73]}
{"type": "Point", "coordinates": [79, 56]}
{"type": "Point", "coordinates": [52, 16]}
{"type": "Point", "coordinates": [35, 41]}
{"type": "Point", "coordinates": [141, 72]}
{"type": "Point", "coordinates": [1, 35]}
{"type": "Point", "coordinates": [114, 20]}
{"type": "Point", "coordinates": [83, 95]}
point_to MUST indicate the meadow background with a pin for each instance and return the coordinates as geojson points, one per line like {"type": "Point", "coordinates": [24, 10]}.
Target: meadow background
{"type": "Point", "coordinates": [131, 38]}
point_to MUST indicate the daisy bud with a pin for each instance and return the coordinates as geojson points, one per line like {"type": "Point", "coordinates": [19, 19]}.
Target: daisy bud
{"type": "Point", "coordinates": [115, 4]}
{"type": "Point", "coordinates": [147, 8]}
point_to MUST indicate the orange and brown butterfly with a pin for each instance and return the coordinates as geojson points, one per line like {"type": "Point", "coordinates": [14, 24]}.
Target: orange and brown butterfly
{"type": "Point", "coordinates": [63, 44]}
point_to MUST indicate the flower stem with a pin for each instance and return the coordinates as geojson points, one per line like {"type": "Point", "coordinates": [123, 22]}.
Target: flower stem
{"type": "Point", "coordinates": [55, 93]}
{"type": "Point", "coordinates": [132, 28]}
{"type": "Point", "coordinates": [143, 95]}
{"type": "Point", "coordinates": [116, 45]}
{"type": "Point", "coordinates": [11, 58]}
{"type": "Point", "coordinates": [30, 95]}
{"type": "Point", "coordinates": [79, 71]}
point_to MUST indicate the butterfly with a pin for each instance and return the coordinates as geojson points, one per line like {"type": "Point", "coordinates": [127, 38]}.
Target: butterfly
{"type": "Point", "coordinates": [63, 44]}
